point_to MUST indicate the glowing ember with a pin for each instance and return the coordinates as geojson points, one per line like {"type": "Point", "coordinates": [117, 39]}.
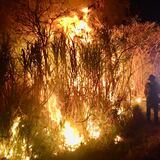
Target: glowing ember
{"type": "Point", "coordinates": [72, 137]}
{"type": "Point", "coordinates": [93, 129]}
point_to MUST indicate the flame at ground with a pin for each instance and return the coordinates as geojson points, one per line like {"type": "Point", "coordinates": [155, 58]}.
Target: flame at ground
{"type": "Point", "coordinates": [7, 150]}
{"type": "Point", "coordinates": [14, 148]}
{"type": "Point", "coordinates": [72, 138]}
{"type": "Point", "coordinates": [74, 26]}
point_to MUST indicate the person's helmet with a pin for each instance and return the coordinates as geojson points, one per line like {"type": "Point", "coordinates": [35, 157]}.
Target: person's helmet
{"type": "Point", "coordinates": [151, 77]}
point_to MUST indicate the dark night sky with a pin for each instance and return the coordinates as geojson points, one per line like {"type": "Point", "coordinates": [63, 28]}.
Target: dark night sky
{"type": "Point", "coordinates": [148, 10]}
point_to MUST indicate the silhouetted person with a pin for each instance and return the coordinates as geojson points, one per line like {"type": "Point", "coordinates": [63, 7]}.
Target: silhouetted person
{"type": "Point", "coordinates": [152, 99]}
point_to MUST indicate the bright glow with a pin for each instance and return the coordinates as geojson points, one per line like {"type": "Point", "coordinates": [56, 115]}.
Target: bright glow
{"type": "Point", "coordinates": [85, 10]}
{"type": "Point", "coordinates": [75, 26]}
{"type": "Point", "coordinates": [120, 110]}
{"type": "Point", "coordinates": [53, 107]}
{"type": "Point", "coordinates": [138, 100]}
{"type": "Point", "coordinates": [15, 146]}
{"type": "Point", "coordinates": [15, 126]}
{"type": "Point", "coordinates": [118, 139]}
{"type": "Point", "coordinates": [72, 138]}
{"type": "Point", "coordinates": [93, 129]}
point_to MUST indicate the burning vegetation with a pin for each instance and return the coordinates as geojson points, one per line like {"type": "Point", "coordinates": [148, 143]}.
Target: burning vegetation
{"type": "Point", "coordinates": [73, 82]}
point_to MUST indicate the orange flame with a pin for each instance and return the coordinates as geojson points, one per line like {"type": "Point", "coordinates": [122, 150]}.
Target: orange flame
{"type": "Point", "coordinates": [93, 129]}
{"type": "Point", "coordinates": [53, 108]}
{"type": "Point", "coordinates": [72, 137]}
{"type": "Point", "coordinates": [74, 26]}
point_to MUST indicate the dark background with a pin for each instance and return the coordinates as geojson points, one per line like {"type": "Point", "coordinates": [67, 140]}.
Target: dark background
{"type": "Point", "coordinates": [147, 10]}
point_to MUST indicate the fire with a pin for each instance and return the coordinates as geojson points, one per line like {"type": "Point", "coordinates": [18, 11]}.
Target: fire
{"type": "Point", "coordinates": [120, 110]}
{"type": "Point", "coordinates": [74, 26]}
{"type": "Point", "coordinates": [118, 139]}
{"type": "Point", "coordinates": [15, 147]}
{"type": "Point", "coordinates": [93, 129]}
{"type": "Point", "coordinates": [72, 138]}
{"type": "Point", "coordinates": [85, 10]}
{"type": "Point", "coordinates": [53, 108]}
{"type": "Point", "coordinates": [15, 126]}
{"type": "Point", "coordinates": [138, 100]}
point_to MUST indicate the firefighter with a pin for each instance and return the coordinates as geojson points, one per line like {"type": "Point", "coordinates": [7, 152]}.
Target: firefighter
{"type": "Point", "coordinates": [152, 98]}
